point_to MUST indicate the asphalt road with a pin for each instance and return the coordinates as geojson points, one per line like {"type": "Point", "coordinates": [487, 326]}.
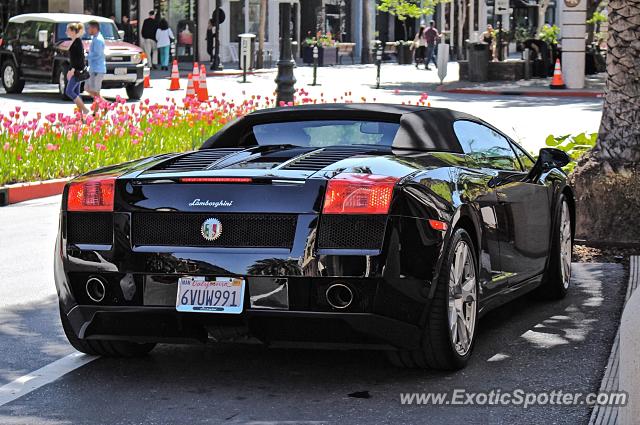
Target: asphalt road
{"type": "Point", "coordinates": [530, 345]}
{"type": "Point", "coordinates": [529, 120]}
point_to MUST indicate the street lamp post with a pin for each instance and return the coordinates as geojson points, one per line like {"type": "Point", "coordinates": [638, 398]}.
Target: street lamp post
{"type": "Point", "coordinates": [285, 80]}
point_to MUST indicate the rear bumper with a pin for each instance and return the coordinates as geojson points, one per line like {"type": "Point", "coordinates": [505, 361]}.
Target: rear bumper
{"type": "Point", "coordinates": [165, 324]}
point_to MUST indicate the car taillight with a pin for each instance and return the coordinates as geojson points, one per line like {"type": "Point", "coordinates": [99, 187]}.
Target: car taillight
{"type": "Point", "coordinates": [95, 194]}
{"type": "Point", "coordinates": [359, 194]}
{"type": "Point", "coordinates": [1, 42]}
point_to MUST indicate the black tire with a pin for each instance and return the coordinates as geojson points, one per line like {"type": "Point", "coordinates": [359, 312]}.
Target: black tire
{"type": "Point", "coordinates": [61, 78]}
{"type": "Point", "coordinates": [11, 85]}
{"type": "Point", "coordinates": [437, 350]}
{"type": "Point", "coordinates": [135, 91]}
{"type": "Point", "coordinates": [554, 285]}
{"type": "Point", "coordinates": [105, 348]}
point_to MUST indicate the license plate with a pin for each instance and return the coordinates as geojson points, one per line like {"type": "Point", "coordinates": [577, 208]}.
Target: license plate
{"type": "Point", "coordinates": [210, 295]}
{"type": "Point", "coordinates": [120, 71]}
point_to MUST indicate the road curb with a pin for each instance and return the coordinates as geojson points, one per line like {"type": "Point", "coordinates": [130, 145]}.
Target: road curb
{"type": "Point", "coordinates": [610, 415]}
{"type": "Point", "coordinates": [20, 192]}
{"type": "Point", "coordinates": [534, 93]}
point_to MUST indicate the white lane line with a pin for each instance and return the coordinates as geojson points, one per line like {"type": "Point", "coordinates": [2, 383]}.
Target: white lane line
{"type": "Point", "coordinates": [43, 376]}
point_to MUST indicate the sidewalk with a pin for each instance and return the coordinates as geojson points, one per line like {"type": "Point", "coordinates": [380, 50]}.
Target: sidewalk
{"type": "Point", "coordinates": [428, 81]}
{"type": "Point", "coordinates": [610, 415]}
{"type": "Point", "coordinates": [594, 87]}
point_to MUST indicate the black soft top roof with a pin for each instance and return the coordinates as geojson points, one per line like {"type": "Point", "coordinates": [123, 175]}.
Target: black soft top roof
{"type": "Point", "coordinates": [421, 128]}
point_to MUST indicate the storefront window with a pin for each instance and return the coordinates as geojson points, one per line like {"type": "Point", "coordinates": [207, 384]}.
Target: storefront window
{"type": "Point", "coordinates": [182, 18]}
{"type": "Point", "coordinates": [236, 21]}
{"type": "Point", "coordinates": [254, 19]}
{"type": "Point", "coordinates": [9, 8]}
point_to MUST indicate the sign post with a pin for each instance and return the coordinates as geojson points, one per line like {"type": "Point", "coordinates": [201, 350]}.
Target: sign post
{"type": "Point", "coordinates": [245, 53]}
{"type": "Point", "coordinates": [443, 60]}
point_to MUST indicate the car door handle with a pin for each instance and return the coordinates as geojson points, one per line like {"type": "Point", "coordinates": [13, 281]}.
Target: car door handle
{"type": "Point", "coordinates": [502, 197]}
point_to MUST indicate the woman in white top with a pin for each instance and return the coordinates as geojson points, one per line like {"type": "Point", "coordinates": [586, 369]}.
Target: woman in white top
{"type": "Point", "coordinates": [164, 37]}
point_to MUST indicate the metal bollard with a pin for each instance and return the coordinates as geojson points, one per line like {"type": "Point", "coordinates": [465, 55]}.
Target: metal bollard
{"type": "Point", "coordinates": [527, 63]}
{"type": "Point", "coordinates": [315, 65]}
{"type": "Point", "coordinates": [378, 63]}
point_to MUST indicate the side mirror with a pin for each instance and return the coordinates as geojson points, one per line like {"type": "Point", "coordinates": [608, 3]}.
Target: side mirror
{"type": "Point", "coordinates": [550, 158]}
{"type": "Point", "coordinates": [43, 37]}
{"type": "Point", "coordinates": [121, 34]}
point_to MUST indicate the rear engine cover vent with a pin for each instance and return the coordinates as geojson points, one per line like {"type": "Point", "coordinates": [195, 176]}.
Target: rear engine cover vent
{"type": "Point", "coordinates": [324, 157]}
{"type": "Point", "coordinates": [90, 228]}
{"type": "Point", "coordinates": [198, 160]}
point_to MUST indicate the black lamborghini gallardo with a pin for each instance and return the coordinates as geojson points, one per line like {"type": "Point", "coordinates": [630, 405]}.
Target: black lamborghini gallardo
{"type": "Point", "coordinates": [383, 226]}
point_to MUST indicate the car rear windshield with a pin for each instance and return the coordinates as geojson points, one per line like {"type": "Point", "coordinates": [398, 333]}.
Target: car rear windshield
{"type": "Point", "coordinates": [109, 31]}
{"type": "Point", "coordinates": [322, 133]}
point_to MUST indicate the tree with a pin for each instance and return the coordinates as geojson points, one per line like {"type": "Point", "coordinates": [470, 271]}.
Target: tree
{"type": "Point", "coordinates": [262, 23]}
{"type": "Point", "coordinates": [462, 18]}
{"type": "Point", "coordinates": [366, 29]}
{"type": "Point", "coordinates": [607, 179]}
{"type": "Point", "coordinates": [542, 12]}
{"type": "Point", "coordinates": [403, 9]}
{"type": "Point", "coordinates": [593, 8]}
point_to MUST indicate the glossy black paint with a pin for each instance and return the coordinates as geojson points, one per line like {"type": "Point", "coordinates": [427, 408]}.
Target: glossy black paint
{"type": "Point", "coordinates": [508, 214]}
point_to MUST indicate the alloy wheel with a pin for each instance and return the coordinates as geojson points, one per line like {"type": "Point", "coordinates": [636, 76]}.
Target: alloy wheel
{"type": "Point", "coordinates": [9, 76]}
{"type": "Point", "coordinates": [565, 245]}
{"type": "Point", "coordinates": [462, 299]}
{"type": "Point", "coordinates": [62, 81]}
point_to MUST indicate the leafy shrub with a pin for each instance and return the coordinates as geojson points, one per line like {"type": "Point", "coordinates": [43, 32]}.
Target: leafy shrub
{"type": "Point", "coordinates": [549, 34]}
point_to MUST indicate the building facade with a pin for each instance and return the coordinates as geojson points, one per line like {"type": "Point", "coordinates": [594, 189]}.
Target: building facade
{"type": "Point", "coordinates": [341, 18]}
{"type": "Point", "coordinates": [188, 20]}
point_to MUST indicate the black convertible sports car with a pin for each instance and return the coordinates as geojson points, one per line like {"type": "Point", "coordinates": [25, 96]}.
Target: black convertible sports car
{"type": "Point", "coordinates": [385, 226]}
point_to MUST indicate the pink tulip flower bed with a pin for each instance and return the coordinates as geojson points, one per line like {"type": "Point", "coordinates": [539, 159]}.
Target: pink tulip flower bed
{"type": "Point", "coordinates": [40, 147]}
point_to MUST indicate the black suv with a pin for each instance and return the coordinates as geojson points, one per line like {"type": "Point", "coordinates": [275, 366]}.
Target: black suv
{"type": "Point", "coordinates": [34, 47]}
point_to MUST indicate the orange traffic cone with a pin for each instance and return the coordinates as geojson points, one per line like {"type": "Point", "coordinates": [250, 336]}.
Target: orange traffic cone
{"type": "Point", "coordinates": [147, 82]}
{"type": "Point", "coordinates": [191, 92]}
{"type": "Point", "coordinates": [557, 82]}
{"type": "Point", "coordinates": [203, 93]}
{"type": "Point", "coordinates": [175, 76]}
{"type": "Point", "coordinates": [196, 75]}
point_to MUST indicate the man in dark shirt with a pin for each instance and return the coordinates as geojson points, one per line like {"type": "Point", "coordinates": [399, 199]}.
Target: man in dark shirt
{"type": "Point", "coordinates": [149, 28]}
{"type": "Point", "coordinates": [126, 26]}
{"type": "Point", "coordinates": [431, 35]}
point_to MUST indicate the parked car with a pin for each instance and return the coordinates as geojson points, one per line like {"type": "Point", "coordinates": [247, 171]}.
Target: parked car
{"type": "Point", "coordinates": [34, 48]}
{"type": "Point", "coordinates": [386, 226]}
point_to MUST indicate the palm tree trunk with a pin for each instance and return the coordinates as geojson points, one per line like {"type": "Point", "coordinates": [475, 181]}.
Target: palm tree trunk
{"type": "Point", "coordinates": [607, 180]}
{"type": "Point", "coordinates": [542, 11]}
{"type": "Point", "coordinates": [462, 17]}
{"type": "Point", "coordinates": [262, 23]}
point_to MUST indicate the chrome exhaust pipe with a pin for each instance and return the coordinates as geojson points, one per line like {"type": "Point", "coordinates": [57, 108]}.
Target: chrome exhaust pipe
{"type": "Point", "coordinates": [95, 289]}
{"type": "Point", "coordinates": [339, 296]}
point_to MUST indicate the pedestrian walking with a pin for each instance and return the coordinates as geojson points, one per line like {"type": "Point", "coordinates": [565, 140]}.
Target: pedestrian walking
{"type": "Point", "coordinates": [149, 29]}
{"type": "Point", "coordinates": [164, 38]}
{"type": "Point", "coordinates": [126, 26]}
{"type": "Point", "coordinates": [489, 37]}
{"type": "Point", "coordinates": [420, 46]}
{"type": "Point", "coordinates": [431, 35]}
{"type": "Point", "coordinates": [210, 28]}
{"type": "Point", "coordinates": [97, 61]}
{"type": "Point", "coordinates": [77, 71]}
